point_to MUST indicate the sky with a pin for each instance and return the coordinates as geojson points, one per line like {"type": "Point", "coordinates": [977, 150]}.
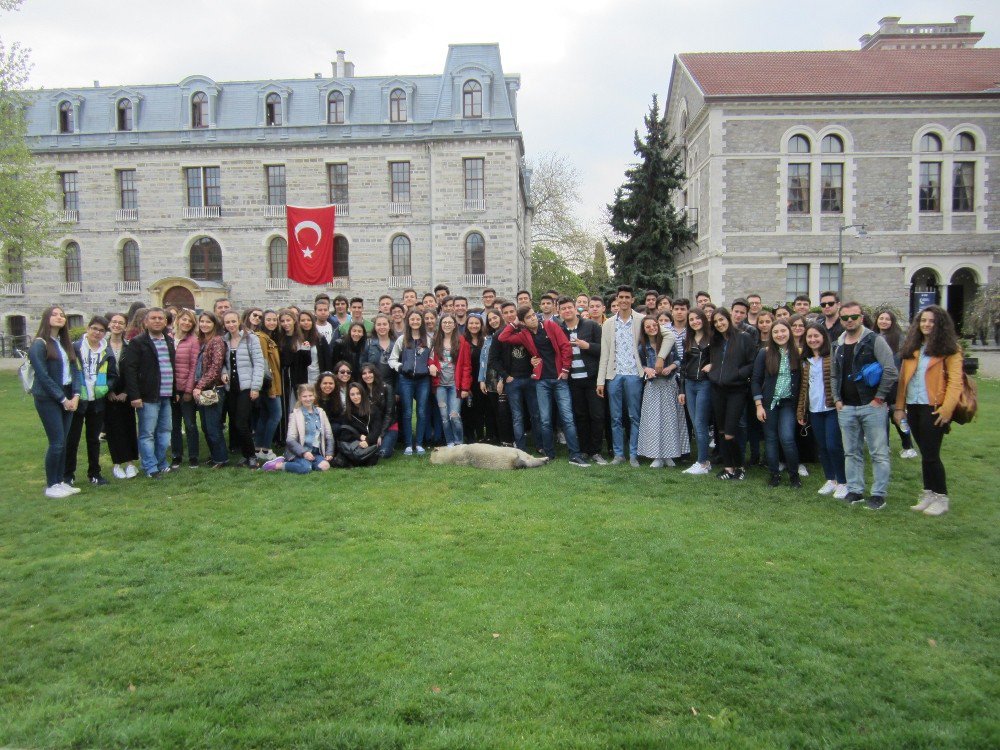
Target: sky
{"type": "Point", "coordinates": [588, 68]}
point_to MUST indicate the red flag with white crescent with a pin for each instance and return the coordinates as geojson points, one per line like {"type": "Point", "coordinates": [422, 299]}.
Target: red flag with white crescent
{"type": "Point", "coordinates": [310, 244]}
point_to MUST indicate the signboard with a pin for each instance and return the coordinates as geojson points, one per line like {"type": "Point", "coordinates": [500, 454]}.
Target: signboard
{"type": "Point", "coordinates": [923, 299]}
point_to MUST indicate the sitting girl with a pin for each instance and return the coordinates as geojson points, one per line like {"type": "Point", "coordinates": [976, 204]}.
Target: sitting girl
{"type": "Point", "coordinates": [309, 443]}
{"type": "Point", "coordinates": [359, 437]}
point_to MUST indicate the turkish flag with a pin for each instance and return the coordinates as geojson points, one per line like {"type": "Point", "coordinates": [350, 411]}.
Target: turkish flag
{"type": "Point", "coordinates": [310, 244]}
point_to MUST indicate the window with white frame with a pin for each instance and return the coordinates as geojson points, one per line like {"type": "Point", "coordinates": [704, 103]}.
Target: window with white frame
{"type": "Point", "coordinates": [930, 186]}
{"type": "Point", "coordinates": [397, 106]}
{"type": "Point", "coordinates": [130, 261]}
{"type": "Point", "coordinates": [401, 256]}
{"type": "Point", "coordinates": [66, 117]}
{"type": "Point", "coordinates": [70, 195]}
{"type": "Point", "coordinates": [338, 183]}
{"type": "Point", "coordinates": [272, 109]}
{"type": "Point", "coordinates": [125, 121]}
{"type": "Point", "coordinates": [199, 110]}
{"type": "Point", "coordinates": [963, 189]}
{"type": "Point", "coordinates": [475, 253]}
{"type": "Point", "coordinates": [72, 265]}
{"type": "Point", "coordinates": [798, 188]}
{"type": "Point", "coordinates": [204, 186]}
{"type": "Point", "coordinates": [796, 280]}
{"type": "Point", "coordinates": [399, 181]}
{"type": "Point", "coordinates": [277, 258]}
{"type": "Point", "coordinates": [832, 188]}
{"type": "Point", "coordinates": [472, 99]}
{"type": "Point", "coordinates": [128, 195]}
{"type": "Point", "coordinates": [335, 108]}
{"type": "Point", "coordinates": [475, 185]}
{"type": "Point", "coordinates": [275, 184]}
{"type": "Point", "coordinates": [829, 277]}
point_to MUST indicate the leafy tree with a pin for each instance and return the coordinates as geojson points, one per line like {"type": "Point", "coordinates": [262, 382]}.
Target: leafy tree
{"type": "Point", "coordinates": [596, 278]}
{"type": "Point", "coordinates": [555, 197]}
{"type": "Point", "coordinates": [549, 271]}
{"type": "Point", "coordinates": [648, 230]}
{"type": "Point", "coordinates": [27, 193]}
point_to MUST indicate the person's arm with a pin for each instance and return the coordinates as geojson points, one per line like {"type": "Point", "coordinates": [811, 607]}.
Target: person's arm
{"type": "Point", "coordinates": [592, 336]}
{"type": "Point", "coordinates": [329, 445]}
{"type": "Point", "coordinates": [900, 405]}
{"type": "Point", "coordinates": [130, 370]}
{"type": "Point", "coordinates": [463, 369]}
{"type": "Point", "coordinates": [883, 353]}
{"type": "Point", "coordinates": [38, 356]}
{"type": "Point", "coordinates": [664, 354]}
{"type": "Point", "coordinates": [757, 380]}
{"type": "Point", "coordinates": [602, 366]}
{"type": "Point", "coordinates": [749, 353]}
{"type": "Point", "coordinates": [395, 354]}
{"type": "Point", "coordinates": [495, 359]}
{"type": "Point", "coordinates": [564, 350]}
{"type": "Point", "coordinates": [257, 362]}
{"type": "Point", "coordinates": [953, 387]}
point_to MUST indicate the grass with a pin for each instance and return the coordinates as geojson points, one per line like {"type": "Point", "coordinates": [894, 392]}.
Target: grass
{"type": "Point", "coordinates": [416, 606]}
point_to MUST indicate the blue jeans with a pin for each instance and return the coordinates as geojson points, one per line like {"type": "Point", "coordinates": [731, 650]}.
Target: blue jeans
{"type": "Point", "coordinates": [56, 422]}
{"type": "Point", "coordinates": [410, 389]}
{"type": "Point", "coordinates": [546, 390]}
{"type": "Point", "coordinates": [389, 443]}
{"type": "Point", "coordinates": [450, 406]}
{"type": "Point", "coordinates": [302, 465]}
{"type": "Point", "coordinates": [826, 429]}
{"type": "Point", "coordinates": [780, 428]}
{"type": "Point", "coordinates": [211, 425]}
{"type": "Point", "coordinates": [155, 423]}
{"type": "Point", "coordinates": [698, 394]}
{"type": "Point", "coordinates": [627, 389]}
{"type": "Point", "coordinates": [521, 391]}
{"type": "Point", "coordinates": [183, 412]}
{"type": "Point", "coordinates": [267, 421]}
{"type": "Point", "coordinates": [860, 425]}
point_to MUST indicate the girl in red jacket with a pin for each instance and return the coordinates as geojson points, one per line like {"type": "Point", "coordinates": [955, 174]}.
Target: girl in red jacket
{"type": "Point", "coordinates": [453, 382]}
{"type": "Point", "coordinates": [186, 347]}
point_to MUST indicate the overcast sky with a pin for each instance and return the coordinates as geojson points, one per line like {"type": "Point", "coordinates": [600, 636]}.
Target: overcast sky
{"type": "Point", "coordinates": [588, 67]}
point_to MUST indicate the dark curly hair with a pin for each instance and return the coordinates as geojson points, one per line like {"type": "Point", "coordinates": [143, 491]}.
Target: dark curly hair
{"type": "Point", "coordinates": [943, 340]}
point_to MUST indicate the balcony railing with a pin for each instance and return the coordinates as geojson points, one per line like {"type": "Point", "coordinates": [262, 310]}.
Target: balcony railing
{"type": "Point", "coordinates": [12, 289]}
{"type": "Point", "coordinates": [274, 212]}
{"type": "Point", "coordinates": [127, 287]}
{"type": "Point", "coordinates": [399, 209]}
{"type": "Point", "coordinates": [202, 212]}
{"type": "Point", "coordinates": [73, 287]}
{"type": "Point", "coordinates": [343, 209]}
{"type": "Point", "coordinates": [475, 204]}
{"type": "Point", "coordinates": [476, 279]}
{"type": "Point", "coordinates": [399, 282]}
{"type": "Point", "coordinates": [276, 284]}
{"type": "Point", "coordinates": [70, 216]}
{"type": "Point", "coordinates": [692, 217]}
{"type": "Point", "coordinates": [127, 214]}
{"type": "Point", "coordinates": [341, 282]}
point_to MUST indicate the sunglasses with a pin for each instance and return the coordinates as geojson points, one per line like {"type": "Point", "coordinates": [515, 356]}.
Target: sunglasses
{"type": "Point", "coordinates": [343, 372]}
{"type": "Point", "coordinates": [846, 318]}
{"type": "Point", "coordinates": [827, 304]}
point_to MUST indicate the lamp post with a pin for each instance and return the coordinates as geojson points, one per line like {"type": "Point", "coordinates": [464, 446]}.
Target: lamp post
{"type": "Point", "coordinates": [840, 253]}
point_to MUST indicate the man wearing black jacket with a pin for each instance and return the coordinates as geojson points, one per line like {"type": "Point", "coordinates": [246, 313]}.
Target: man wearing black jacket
{"type": "Point", "coordinates": [512, 363]}
{"type": "Point", "coordinates": [588, 407]}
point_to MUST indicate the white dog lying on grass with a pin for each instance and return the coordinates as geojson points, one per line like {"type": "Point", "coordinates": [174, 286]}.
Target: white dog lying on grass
{"type": "Point", "coordinates": [484, 456]}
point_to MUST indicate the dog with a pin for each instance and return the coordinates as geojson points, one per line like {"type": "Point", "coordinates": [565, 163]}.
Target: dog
{"type": "Point", "coordinates": [483, 456]}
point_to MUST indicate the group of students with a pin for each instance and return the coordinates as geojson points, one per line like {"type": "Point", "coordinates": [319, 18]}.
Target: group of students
{"type": "Point", "coordinates": [330, 387]}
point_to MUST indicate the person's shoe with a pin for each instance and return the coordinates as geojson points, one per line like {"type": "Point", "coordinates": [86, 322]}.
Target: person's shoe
{"type": "Point", "coordinates": [841, 492]}
{"type": "Point", "coordinates": [251, 463]}
{"type": "Point", "coordinates": [175, 463]}
{"type": "Point", "coordinates": [795, 482]}
{"type": "Point", "coordinates": [579, 461]}
{"type": "Point", "coordinates": [853, 498]}
{"type": "Point", "coordinates": [774, 481]}
{"type": "Point", "coordinates": [72, 490]}
{"type": "Point", "coordinates": [165, 470]}
{"type": "Point", "coordinates": [939, 507]}
{"type": "Point", "coordinates": [827, 488]}
{"type": "Point", "coordinates": [803, 471]}
{"type": "Point", "coordinates": [875, 502]}
{"type": "Point", "coordinates": [420, 450]}
{"type": "Point", "coordinates": [698, 469]}
{"type": "Point", "coordinates": [741, 473]}
{"type": "Point", "coordinates": [99, 481]}
{"type": "Point", "coordinates": [266, 454]}
{"type": "Point", "coordinates": [657, 464]}
{"type": "Point", "coordinates": [617, 460]}
{"type": "Point", "coordinates": [669, 462]}
{"type": "Point", "coordinates": [118, 472]}
{"type": "Point", "coordinates": [69, 481]}
{"type": "Point", "coordinates": [57, 491]}
{"type": "Point", "coordinates": [275, 464]}
{"type": "Point", "coordinates": [194, 463]}
{"type": "Point", "coordinates": [408, 451]}
{"type": "Point", "coordinates": [155, 475]}
{"type": "Point", "coordinates": [908, 453]}
{"type": "Point", "coordinates": [634, 462]}
{"type": "Point", "coordinates": [598, 459]}
{"type": "Point", "coordinates": [131, 472]}
{"type": "Point", "coordinates": [220, 464]}
{"type": "Point", "coordinates": [927, 498]}
{"type": "Point", "coordinates": [781, 466]}
{"type": "Point", "coordinates": [730, 476]}
{"type": "Point", "coordinates": [722, 474]}
{"type": "Point", "coordinates": [711, 443]}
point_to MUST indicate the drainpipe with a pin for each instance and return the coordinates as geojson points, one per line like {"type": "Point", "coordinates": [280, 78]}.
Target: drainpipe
{"type": "Point", "coordinates": [430, 167]}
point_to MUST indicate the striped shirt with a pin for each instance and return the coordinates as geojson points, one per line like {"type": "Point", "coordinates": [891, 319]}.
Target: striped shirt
{"type": "Point", "coordinates": [166, 369]}
{"type": "Point", "coordinates": [578, 369]}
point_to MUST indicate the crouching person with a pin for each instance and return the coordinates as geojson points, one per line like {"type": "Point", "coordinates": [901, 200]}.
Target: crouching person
{"type": "Point", "coordinates": [309, 443]}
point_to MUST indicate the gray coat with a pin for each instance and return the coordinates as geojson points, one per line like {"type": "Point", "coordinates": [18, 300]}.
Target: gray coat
{"type": "Point", "coordinates": [250, 363]}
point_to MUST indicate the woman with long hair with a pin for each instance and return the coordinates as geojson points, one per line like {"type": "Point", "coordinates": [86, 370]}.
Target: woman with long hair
{"type": "Point", "coordinates": [696, 392]}
{"type": "Point", "coordinates": [357, 441]}
{"type": "Point", "coordinates": [244, 380]}
{"type": "Point", "coordinates": [343, 376]}
{"type": "Point", "coordinates": [267, 409]}
{"type": "Point", "coordinates": [663, 434]}
{"type": "Point", "coordinates": [765, 319]}
{"type": "Point", "coordinates": [379, 347]}
{"type": "Point", "coordinates": [930, 384]}
{"type": "Point", "coordinates": [887, 326]}
{"type": "Point", "coordinates": [209, 373]}
{"type": "Point", "coordinates": [270, 324]}
{"type": "Point", "coordinates": [474, 405]}
{"type": "Point", "coordinates": [383, 398]}
{"type": "Point", "coordinates": [775, 389]}
{"type": "Point", "coordinates": [351, 347]}
{"type": "Point", "coordinates": [119, 416]}
{"type": "Point", "coordinates": [325, 389]}
{"type": "Point", "coordinates": [499, 424]}
{"type": "Point", "coordinates": [310, 443]}
{"type": "Point", "coordinates": [56, 394]}
{"type": "Point", "coordinates": [454, 379]}
{"type": "Point", "coordinates": [797, 325]}
{"type": "Point", "coordinates": [732, 359]}
{"type": "Point", "coordinates": [435, 425]}
{"type": "Point", "coordinates": [136, 323]}
{"type": "Point", "coordinates": [183, 408]}
{"type": "Point", "coordinates": [311, 342]}
{"type": "Point", "coordinates": [410, 359]}
{"type": "Point", "coordinates": [804, 442]}
{"type": "Point", "coordinates": [295, 361]}
{"type": "Point", "coordinates": [816, 408]}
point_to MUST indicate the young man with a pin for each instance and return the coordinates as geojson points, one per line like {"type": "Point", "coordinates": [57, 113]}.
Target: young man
{"type": "Point", "coordinates": [756, 305]}
{"type": "Point", "coordinates": [321, 308]}
{"type": "Point", "coordinates": [801, 304]}
{"type": "Point", "coordinates": [409, 299]}
{"type": "Point", "coordinates": [679, 313]}
{"type": "Point", "coordinates": [221, 307]}
{"type": "Point", "coordinates": [147, 368]}
{"type": "Point", "coordinates": [588, 408]}
{"type": "Point", "coordinates": [547, 305]}
{"type": "Point", "coordinates": [861, 407]}
{"type": "Point", "coordinates": [621, 370]}
{"type": "Point", "coordinates": [513, 366]}
{"type": "Point", "coordinates": [597, 308]}
{"type": "Point", "coordinates": [461, 312]}
{"type": "Point", "coordinates": [650, 302]}
{"type": "Point", "coordinates": [440, 292]}
{"type": "Point", "coordinates": [551, 358]}
{"type": "Point", "coordinates": [340, 310]}
{"type": "Point", "coordinates": [829, 302]}
{"type": "Point", "coordinates": [385, 304]}
{"type": "Point", "coordinates": [663, 304]}
{"type": "Point", "coordinates": [583, 306]}
{"type": "Point", "coordinates": [739, 311]}
{"type": "Point", "coordinates": [523, 298]}
{"type": "Point", "coordinates": [357, 316]}
{"type": "Point", "coordinates": [489, 297]}
{"type": "Point", "coordinates": [397, 316]}
{"type": "Point", "coordinates": [447, 305]}
{"type": "Point", "coordinates": [702, 298]}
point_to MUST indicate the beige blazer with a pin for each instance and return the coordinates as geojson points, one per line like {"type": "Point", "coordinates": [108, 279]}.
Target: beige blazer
{"type": "Point", "coordinates": [606, 369]}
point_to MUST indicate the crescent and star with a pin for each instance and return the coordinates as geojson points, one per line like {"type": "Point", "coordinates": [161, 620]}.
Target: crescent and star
{"type": "Point", "coordinates": [307, 252]}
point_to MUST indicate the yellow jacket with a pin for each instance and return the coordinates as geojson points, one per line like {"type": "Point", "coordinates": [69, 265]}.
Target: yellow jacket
{"type": "Point", "coordinates": [943, 382]}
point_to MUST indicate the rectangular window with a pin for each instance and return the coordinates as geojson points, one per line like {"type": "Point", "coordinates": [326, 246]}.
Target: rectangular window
{"type": "Point", "coordinates": [71, 198]}
{"type": "Point", "coordinates": [399, 174]}
{"type": "Point", "coordinates": [829, 277]}
{"type": "Point", "coordinates": [204, 186]}
{"type": "Point", "coordinates": [338, 183]}
{"type": "Point", "coordinates": [832, 183]}
{"type": "Point", "coordinates": [275, 184]}
{"type": "Point", "coordinates": [963, 191]}
{"type": "Point", "coordinates": [128, 196]}
{"type": "Point", "coordinates": [475, 184]}
{"type": "Point", "coordinates": [930, 186]}
{"type": "Point", "coordinates": [796, 279]}
{"type": "Point", "coordinates": [798, 188]}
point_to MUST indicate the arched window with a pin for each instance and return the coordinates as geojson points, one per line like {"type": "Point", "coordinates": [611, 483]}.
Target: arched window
{"type": "Point", "coordinates": [335, 108]}
{"type": "Point", "coordinates": [125, 114]}
{"type": "Point", "coordinates": [199, 110]}
{"type": "Point", "coordinates": [66, 124]}
{"type": "Point", "coordinates": [832, 144]}
{"type": "Point", "coordinates": [206, 260]}
{"type": "Point", "coordinates": [475, 253]}
{"type": "Point", "coordinates": [798, 144]}
{"type": "Point", "coordinates": [272, 109]}
{"type": "Point", "coordinates": [130, 261]}
{"type": "Point", "coordinates": [472, 99]}
{"type": "Point", "coordinates": [930, 142]}
{"type": "Point", "coordinates": [277, 258]}
{"type": "Point", "coordinates": [401, 256]}
{"type": "Point", "coordinates": [74, 273]}
{"type": "Point", "coordinates": [397, 106]}
{"type": "Point", "coordinates": [341, 257]}
{"type": "Point", "coordinates": [965, 142]}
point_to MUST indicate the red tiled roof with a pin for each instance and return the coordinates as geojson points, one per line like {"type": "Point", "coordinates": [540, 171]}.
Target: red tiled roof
{"type": "Point", "coordinates": [917, 71]}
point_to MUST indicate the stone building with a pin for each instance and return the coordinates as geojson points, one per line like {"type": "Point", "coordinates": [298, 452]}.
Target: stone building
{"type": "Point", "coordinates": [176, 193]}
{"type": "Point", "coordinates": [789, 153]}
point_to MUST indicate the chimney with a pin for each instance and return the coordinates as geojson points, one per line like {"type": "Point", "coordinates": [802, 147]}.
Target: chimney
{"type": "Point", "coordinates": [97, 84]}
{"type": "Point", "coordinates": [317, 75]}
{"type": "Point", "coordinates": [349, 69]}
{"type": "Point", "coordinates": [340, 63]}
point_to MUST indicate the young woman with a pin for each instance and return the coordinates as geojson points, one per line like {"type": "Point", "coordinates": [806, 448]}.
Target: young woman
{"type": "Point", "coordinates": [474, 405]}
{"type": "Point", "coordinates": [434, 433]}
{"type": "Point", "coordinates": [209, 373]}
{"type": "Point", "coordinates": [56, 394]}
{"type": "Point", "coordinates": [816, 408]}
{"type": "Point", "coordinates": [930, 384]}
{"type": "Point", "coordinates": [135, 324]}
{"type": "Point", "coordinates": [268, 406]}
{"type": "Point", "coordinates": [311, 342]}
{"type": "Point", "coordinates": [732, 360]}
{"type": "Point", "coordinates": [351, 348]}
{"type": "Point", "coordinates": [270, 324]}
{"type": "Point", "coordinates": [244, 378]}
{"type": "Point", "coordinates": [383, 398]}
{"type": "Point", "coordinates": [804, 442]}
{"type": "Point", "coordinates": [499, 426]}
{"type": "Point", "coordinates": [782, 312]}
{"type": "Point", "coordinates": [410, 359]}
{"type": "Point", "coordinates": [695, 387]}
{"type": "Point", "coordinates": [663, 434]}
{"type": "Point", "coordinates": [797, 325]}
{"type": "Point", "coordinates": [96, 371]}
{"type": "Point", "coordinates": [119, 416]}
{"type": "Point", "coordinates": [357, 439]}
{"type": "Point", "coordinates": [765, 319]}
{"type": "Point", "coordinates": [309, 446]}
{"type": "Point", "coordinates": [186, 348]}
{"type": "Point", "coordinates": [453, 381]}
{"type": "Point", "coordinates": [334, 402]}
{"type": "Point", "coordinates": [379, 347]}
{"type": "Point", "coordinates": [295, 361]}
{"type": "Point", "coordinates": [887, 326]}
{"type": "Point", "coordinates": [775, 388]}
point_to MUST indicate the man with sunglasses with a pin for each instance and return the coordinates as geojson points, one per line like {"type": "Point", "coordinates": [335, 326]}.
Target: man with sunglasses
{"type": "Point", "coordinates": [860, 401]}
{"type": "Point", "coordinates": [830, 304]}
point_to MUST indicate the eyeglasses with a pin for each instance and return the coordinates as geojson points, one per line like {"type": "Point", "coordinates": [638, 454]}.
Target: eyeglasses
{"type": "Point", "coordinates": [828, 304]}
{"type": "Point", "coordinates": [343, 372]}
{"type": "Point", "coordinates": [846, 318]}
{"type": "Point", "coordinates": [254, 315]}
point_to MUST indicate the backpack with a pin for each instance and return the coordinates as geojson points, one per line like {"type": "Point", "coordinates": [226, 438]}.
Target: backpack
{"type": "Point", "coordinates": [26, 372]}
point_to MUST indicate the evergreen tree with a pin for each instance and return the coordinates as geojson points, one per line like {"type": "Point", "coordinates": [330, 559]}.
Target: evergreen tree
{"type": "Point", "coordinates": [648, 229]}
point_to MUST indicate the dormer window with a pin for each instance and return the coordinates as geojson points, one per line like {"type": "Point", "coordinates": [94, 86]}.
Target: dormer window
{"type": "Point", "coordinates": [335, 108]}
{"type": "Point", "coordinates": [66, 123]}
{"type": "Point", "coordinates": [397, 106]}
{"type": "Point", "coordinates": [472, 99]}
{"type": "Point", "coordinates": [124, 108]}
{"type": "Point", "coordinates": [272, 109]}
{"type": "Point", "coordinates": [199, 110]}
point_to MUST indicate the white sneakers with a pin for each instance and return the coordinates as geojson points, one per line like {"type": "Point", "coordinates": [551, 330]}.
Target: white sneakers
{"type": "Point", "coordinates": [131, 472]}
{"type": "Point", "coordinates": [908, 453]}
{"type": "Point", "coordinates": [828, 488]}
{"type": "Point", "coordinates": [696, 468]}
{"type": "Point", "coordinates": [61, 490]}
{"type": "Point", "coordinates": [657, 464]}
{"type": "Point", "coordinates": [118, 472]}
{"type": "Point", "coordinates": [841, 492]}
{"type": "Point", "coordinates": [803, 471]}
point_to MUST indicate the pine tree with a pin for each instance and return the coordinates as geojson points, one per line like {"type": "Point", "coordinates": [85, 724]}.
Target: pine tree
{"type": "Point", "coordinates": [648, 229]}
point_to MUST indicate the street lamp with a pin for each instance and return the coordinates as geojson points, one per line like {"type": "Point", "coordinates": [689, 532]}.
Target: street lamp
{"type": "Point", "coordinates": [861, 234]}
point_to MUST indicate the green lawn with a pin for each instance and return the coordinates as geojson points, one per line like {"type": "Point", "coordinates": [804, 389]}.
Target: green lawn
{"type": "Point", "coordinates": [413, 606]}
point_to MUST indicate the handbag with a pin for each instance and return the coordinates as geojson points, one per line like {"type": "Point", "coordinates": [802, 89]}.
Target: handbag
{"type": "Point", "coordinates": [870, 375]}
{"type": "Point", "coordinates": [208, 397]}
{"type": "Point", "coordinates": [968, 402]}
{"type": "Point", "coordinates": [26, 372]}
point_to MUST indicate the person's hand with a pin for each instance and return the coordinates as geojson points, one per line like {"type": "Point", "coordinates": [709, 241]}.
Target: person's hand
{"type": "Point", "coordinates": [535, 361]}
{"type": "Point", "coordinates": [669, 369]}
{"type": "Point", "coordinates": [499, 387]}
{"type": "Point", "coordinates": [562, 376]}
{"type": "Point", "coordinates": [379, 442]}
{"type": "Point", "coordinates": [706, 368]}
{"type": "Point", "coordinates": [839, 405]}
{"type": "Point", "coordinates": [196, 393]}
{"type": "Point", "coordinates": [761, 413]}
{"type": "Point", "coordinates": [509, 379]}
{"type": "Point", "coordinates": [254, 394]}
{"type": "Point", "coordinates": [465, 394]}
{"type": "Point", "coordinates": [308, 456]}
{"type": "Point", "coordinates": [482, 387]}
{"type": "Point", "coordinates": [600, 391]}
{"type": "Point", "coordinates": [136, 403]}
{"type": "Point", "coordinates": [681, 399]}
{"type": "Point", "coordinates": [432, 370]}
{"type": "Point", "coordinates": [225, 378]}
{"type": "Point", "coordinates": [941, 421]}
{"type": "Point", "coordinates": [328, 459]}
{"type": "Point", "coordinates": [650, 372]}
{"type": "Point", "coordinates": [584, 345]}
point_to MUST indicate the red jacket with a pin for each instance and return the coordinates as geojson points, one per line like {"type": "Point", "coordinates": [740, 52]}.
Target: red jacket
{"type": "Point", "coordinates": [560, 342]}
{"type": "Point", "coordinates": [463, 367]}
{"type": "Point", "coordinates": [185, 359]}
